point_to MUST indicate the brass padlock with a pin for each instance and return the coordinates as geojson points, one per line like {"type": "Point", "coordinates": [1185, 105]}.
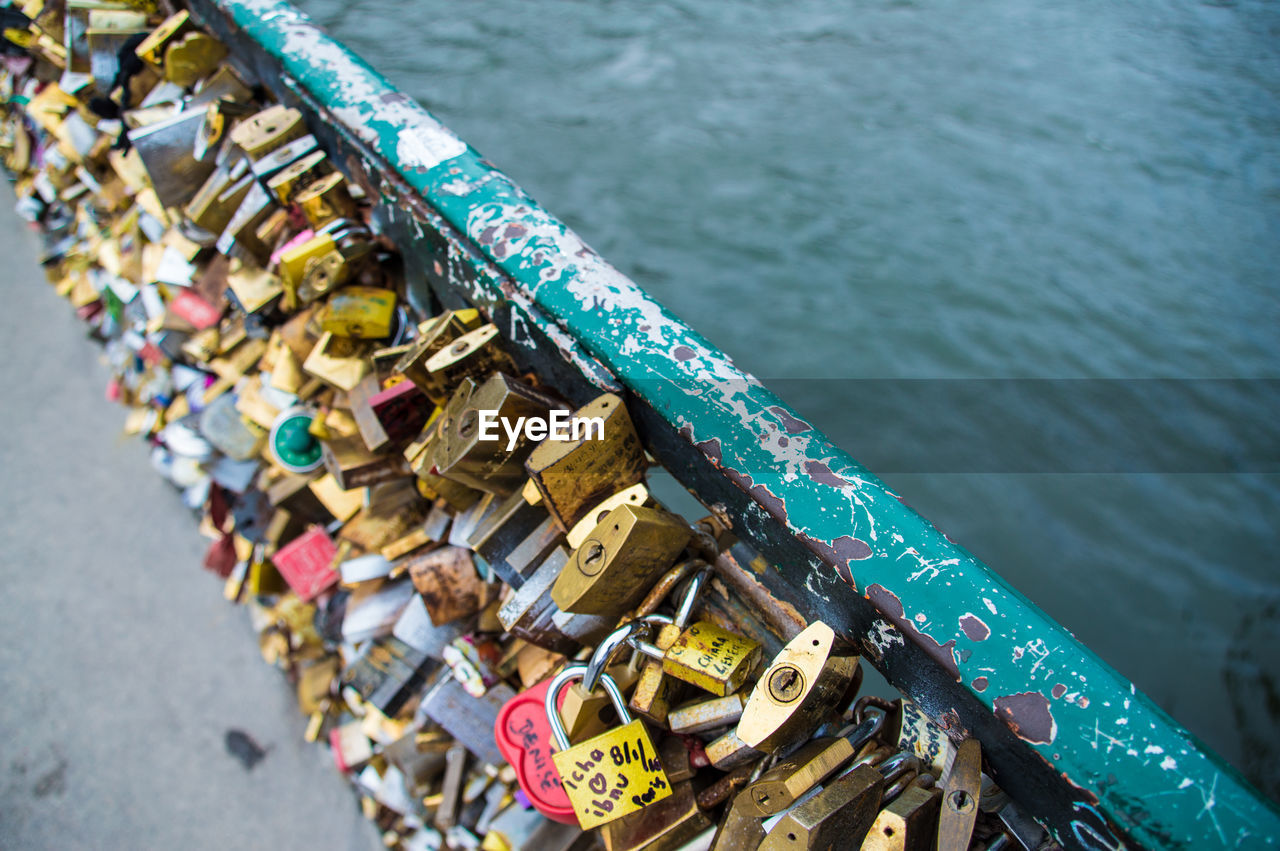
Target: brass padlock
{"type": "Point", "coordinates": [575, 475]}
{"type": "Point", "coordinates": [325, 200]}
{"type": "Point", "coordinates": [805, 682]}
{"type": "Point", "coordinates": [288, 181]}
{"type": "Point", "coordinates": [260, 134]}
{"type": "Point", "coordinates": [152, 48]}
{"type": "Point", "coordinates": [838, 816]}
{"type": "Point", "coordinates": [655, 691]}
{"type": "Point", "coordinates": [666, 825]}
{"type": "Point", "coordinates": [609, 776]}
{"type": "Point", "coordinates": [784, 783]}
{"type": "Point", "coordinates": [960, 793]}
{"type": "Point", "coordinates": [702, 716]}
{"type": "Point", "coordinates": [481, 440]}
{"type": "Point", "coordinates": [474, 355]}
{"type": "Point", "coordinates": [615, 566]}
{"type": "Point", "coordinates": [908, 823]}
{"type": "Point", "coordinates": [192, 58]}
{"type": "Point", "coordinates": [729, 752]}
{"type": "Point", "coordinates": [634, 495]}
{"type": "Point", "coordinates": [433, 335]}
{"type": "Point", "coordinates": [218, 199]}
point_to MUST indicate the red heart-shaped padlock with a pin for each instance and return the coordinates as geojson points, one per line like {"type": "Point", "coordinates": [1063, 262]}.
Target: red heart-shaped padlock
{"type": "Point", "coordinates": [524, 737]}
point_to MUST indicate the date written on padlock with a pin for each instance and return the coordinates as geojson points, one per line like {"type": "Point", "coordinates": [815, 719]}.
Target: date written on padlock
{"type": "Point", "coordinates": [613, 774]}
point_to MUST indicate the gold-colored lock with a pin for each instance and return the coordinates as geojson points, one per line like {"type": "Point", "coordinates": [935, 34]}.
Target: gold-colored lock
{"type": "Point", "coordinates": [655, 692]}
{"type": "Point", "coordinates": [703, 715]}
{"type": "Point", "coordinates": [474, 355]}
{"type": "Point", "coordinates": [634, 495]}
{"type": "Point", "coordinates": [191, 58]}
{"type": "Point", "coordinates": [218, 199]}
{"type": "Point", "coordinates": [805, 682]}
{"type": "Point", "coordinates": [293, 263]}
{"type": "Point", "coordinates": [575, 475]}
{"type": "Point", "coordinates": [242, 231]}
{"type": "Point", "coordinates": [365, 313]}
{"type": "Point", "coordinates": [256, 289]}
{"type": "Point", "coordinates": [961, 790]}
{"type": "Point", "coordinates": [260, 134]}
{"type": "Point", "coordinates": [611, 775]}
{"type": "Point", "coordinates": [326, 199]}
{"type": "Point", "coordinates": [433, 335]}
{"type": "Point", "coordinates": [153, 48]}
{"type": "Point", "coordinates": [709, 657]}
{"type": "Point", "coordinates": [588, 713]}
{"type": "Point", "coordinates": [839, 816]}
{"type": "Point", "coordinates": [784, 783]}
{"type": "Point", "coordinates": [740, 829]}
{"type": "Point", "coordinates": [908, 823]}
{"type": "Point", "coordinates": [474, 446]}
{"type": "Point", "coordinates": [614, 567]}
{"type": "Point", "coordinates": [354, 466]}
{"type": "Point", "coordinates": [339, 361]}
{"type": "Point", "coordinates": [288, 181]}
{"type": "Point", "coordinates": [666, 825]}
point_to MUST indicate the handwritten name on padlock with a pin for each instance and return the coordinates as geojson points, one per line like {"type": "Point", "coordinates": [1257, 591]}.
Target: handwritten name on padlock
{"type": "Point", "coordinates": [612, 775]}
{"type": "Point", "coordinates": [523, 735]}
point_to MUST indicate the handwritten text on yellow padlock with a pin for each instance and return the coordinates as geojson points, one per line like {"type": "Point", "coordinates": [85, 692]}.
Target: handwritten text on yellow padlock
{"type": "Point", "coordinates": [612, 775]}
{"type": "Point", "coordinates": [711, 658]}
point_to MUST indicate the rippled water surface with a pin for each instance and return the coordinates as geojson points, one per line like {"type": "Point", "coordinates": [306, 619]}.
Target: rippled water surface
{"type": "Point", "coordinates": [947, 190]}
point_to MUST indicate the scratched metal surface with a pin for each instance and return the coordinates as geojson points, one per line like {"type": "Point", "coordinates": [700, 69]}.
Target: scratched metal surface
{"type": "Point", "coordinates": [972, 620]}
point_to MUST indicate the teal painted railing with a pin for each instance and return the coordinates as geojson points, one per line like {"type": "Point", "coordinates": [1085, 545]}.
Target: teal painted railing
{"type": "Point", "coordinates": [1125, 771]}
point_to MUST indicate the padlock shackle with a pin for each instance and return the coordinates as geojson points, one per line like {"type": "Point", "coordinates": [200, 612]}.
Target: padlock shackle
{"type": "Point", "coordinates": [864, 731]}
{"type": "Point", "coordinates": [649, 649]}
{"type": "Point", "coordinates": [558, 683]}
{"type": "Point", "coordinates": [690, 598]}
{"type": "Point", "coordinates": [607, 649]}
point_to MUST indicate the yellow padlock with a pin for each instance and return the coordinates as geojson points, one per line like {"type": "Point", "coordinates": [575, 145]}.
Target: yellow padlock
{"type": "Point", "coordinates": [613, 774]}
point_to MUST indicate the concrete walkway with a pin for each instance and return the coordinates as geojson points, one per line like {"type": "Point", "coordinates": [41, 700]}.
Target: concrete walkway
{"type": "Point", "coordinates": [122, 666]}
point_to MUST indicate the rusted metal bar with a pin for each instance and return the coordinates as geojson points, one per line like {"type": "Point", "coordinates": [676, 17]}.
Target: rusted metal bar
{"type": "Point", "coordinates": [1072, 740]}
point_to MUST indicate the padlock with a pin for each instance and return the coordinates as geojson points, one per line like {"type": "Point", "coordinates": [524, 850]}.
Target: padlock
{"type": "Point", "coordinates": [387, 673]}
{"type": "Point", "coordinates": [354, 466]}
{"type": "Point", "coordinates": [467, 718]}
{"type": "Point", "coordinates": [920, 736]}
{"type": "Point", "coordinates": [613, 774]}
{"type": "Point", "coordinates": [433, 335]}
{"type": "Point", "coordinates": [303, 171]}
{"type": "Point", "coordinates": [784, 783]}
{"type": "Point", "coordinates": [908, 823]}
{"type": "Point", "coordinates": [474, 355]}
{"type": "Point", "coordinates": [709, 657]}
{"type": "Point", "coordinates": [576, 474]}
{"type": "Point", "coordinates": [961, 789]}
{"type": "Point", "coordinates": [449, 583]}
{"type": "Point", "coordinates": [152, 49]}
{"type": "Point", "coordinates": [615, 566]}
{"type": "Point", "coordinates": [655, 691]}
{"type": "Point", "coordinates": [507, 526]}
{"type": "Point", "coordinates": [192, 57]}
{"type": "Point", "coordinates": [666, 825]}
{"type": "Point", "coordinates": [260, 134]}
{"type": "Point", "coordinates": [482, 442]}
{"type": "Point", "coordinates": [586, 707]}
{"type": "Point", "coordinates": [634, 495]}
{"type": "Point", "coordinates": [729, 752]}
{"type": "Point", "coordinates": [701, 716]}
{"type": "Point", "coordinates": [217, 200]}
{"type": "Point", "coordinates": [838, 816]}
{"type": "Point", "coordinates": [240, 237]}
{"type": "Point", "coordinates": [805, 682]}
{"type": "Point", "coordinates": [529, 613]}
{"type": "Point", "coordinates": [326, 199]}
{"type": "Point", "coordinates": [523, 734]}
{"type": "Point", "coordinates": [338, 361]}
{"type": "Point", "coordinates": [365, 313]}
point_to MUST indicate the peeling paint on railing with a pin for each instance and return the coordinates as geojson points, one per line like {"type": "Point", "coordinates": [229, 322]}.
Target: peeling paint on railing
{"type": "Point", "coordinates": [1133, 766]}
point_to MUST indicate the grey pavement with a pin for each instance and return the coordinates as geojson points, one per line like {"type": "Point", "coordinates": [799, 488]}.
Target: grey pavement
{"type": "Point", "coordinates": [122, 666]}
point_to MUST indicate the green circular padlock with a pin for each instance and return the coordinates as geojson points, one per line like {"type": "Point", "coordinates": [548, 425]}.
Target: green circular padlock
{"type": "Point", "coordinates": [292, 445]}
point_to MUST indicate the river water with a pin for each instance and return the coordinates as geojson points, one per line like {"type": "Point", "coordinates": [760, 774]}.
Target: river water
{"type": "Point", "coordinates": [873, 205]}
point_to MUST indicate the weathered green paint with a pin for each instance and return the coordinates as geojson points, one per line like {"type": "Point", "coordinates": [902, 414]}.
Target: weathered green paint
{"type": "Point", "coordinates": [1150, 777]}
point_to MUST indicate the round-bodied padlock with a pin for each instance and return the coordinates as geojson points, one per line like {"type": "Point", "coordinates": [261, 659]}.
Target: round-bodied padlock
{"type": "Point", "coordinates": [610, 775]}
{"type": "Point", "coordinates": [292, 444]}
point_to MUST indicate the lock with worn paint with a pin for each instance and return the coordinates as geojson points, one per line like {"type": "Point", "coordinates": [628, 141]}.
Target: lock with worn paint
{"type": "Point", "coordinates": [611, 775]}
{"type": "Point", "coordinates": [474, 355]}
{"type": "Point", "coordinates": [326, 199]}
{"type": "Point", "coordinates": [260, 134]}
{"type": "Point", "coordinates": [625, 554]}
{"type": "Point", "coordinates": [433, 335]}
{"type": "Point", "coordinates": [365, 313]}
{"type": "Point", "coordinates": [304, 171]}
{"type": "Point", "coordinates": [806, 681]}
{"type": "Point", "coordinates": [575, 475]}
{"type": "Point", "coordinates": [667, 825]}
{"type": "Point", "coordinates": [908, 822]}
{"type": "Point", "coordinates": [475, 447]}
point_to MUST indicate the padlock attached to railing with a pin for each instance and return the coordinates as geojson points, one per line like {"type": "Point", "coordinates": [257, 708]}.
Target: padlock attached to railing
{"type": "Point", "coordinates": [613, 774]}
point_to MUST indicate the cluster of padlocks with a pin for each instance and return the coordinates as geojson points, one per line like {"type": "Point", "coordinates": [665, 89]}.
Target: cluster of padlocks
{"type": "Point", "coordinates": [505, 642]}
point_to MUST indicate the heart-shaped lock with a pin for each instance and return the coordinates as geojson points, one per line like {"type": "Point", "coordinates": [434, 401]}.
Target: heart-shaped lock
{"type": "Point", "coordinates": [523, 734]}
